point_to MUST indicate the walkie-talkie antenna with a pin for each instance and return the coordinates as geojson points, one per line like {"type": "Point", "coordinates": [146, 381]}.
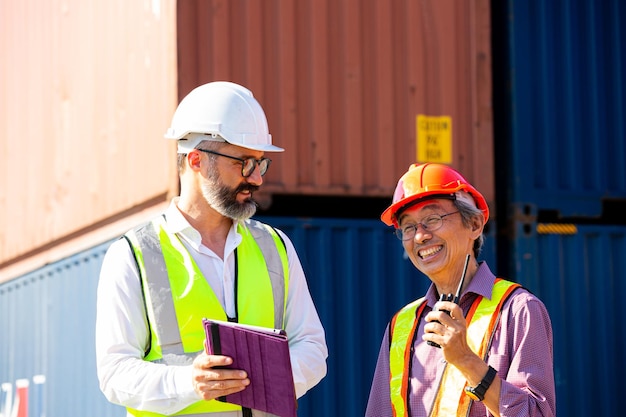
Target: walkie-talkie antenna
{"type": "Point", "coordinates": [448, 297]}
{"type": "Point", "coordinates": [458, 290]}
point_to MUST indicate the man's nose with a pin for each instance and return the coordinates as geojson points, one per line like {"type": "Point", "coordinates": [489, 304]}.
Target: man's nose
{"type": "Point", "coordinates": [255, 178]}
{"type": "Point", "coordinates": [421, 233]}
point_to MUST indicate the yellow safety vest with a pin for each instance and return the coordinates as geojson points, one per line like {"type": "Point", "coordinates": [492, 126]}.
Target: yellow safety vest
{"type": "Point", "coordinates": [178, 297]}
{"type": "Point", "coordinates": [450, 400]}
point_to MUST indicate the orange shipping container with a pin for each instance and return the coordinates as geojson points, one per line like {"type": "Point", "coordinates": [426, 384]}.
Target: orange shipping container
{"type": "Point", "coordinates": [344, 81]}
{"type": "Point", "coordinates": [88, 88]}
{"type": "Point", "coordinates": [86, 91]}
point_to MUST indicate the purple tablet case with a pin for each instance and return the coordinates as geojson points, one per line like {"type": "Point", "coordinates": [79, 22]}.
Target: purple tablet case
{"type": "Point", "coordinates": [265, 357]}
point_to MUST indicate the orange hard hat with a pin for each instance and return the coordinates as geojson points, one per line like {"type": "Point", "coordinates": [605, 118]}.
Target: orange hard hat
{"type": "Point", "coordinates": [429, 181]}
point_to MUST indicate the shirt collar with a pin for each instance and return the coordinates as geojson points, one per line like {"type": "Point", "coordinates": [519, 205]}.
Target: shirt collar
{"type": "Point", "coordinates": [177, 223]}
{"type": "Point", "coordinates": [481, 284]}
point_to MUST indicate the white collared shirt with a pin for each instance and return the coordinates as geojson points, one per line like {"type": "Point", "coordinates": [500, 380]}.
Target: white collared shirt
{"type": "Point", "coordinates": [122, 330]}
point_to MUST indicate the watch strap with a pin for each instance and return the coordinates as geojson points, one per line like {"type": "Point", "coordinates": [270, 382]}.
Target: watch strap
{"type": "Point", "coordinates": [478, 392]}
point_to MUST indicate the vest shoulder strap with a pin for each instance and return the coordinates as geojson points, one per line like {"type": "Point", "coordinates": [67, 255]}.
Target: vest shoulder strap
{"type": "Point", "coordinates": [482, 321]}
{"type": "Point", "coordinates": [274, 252]}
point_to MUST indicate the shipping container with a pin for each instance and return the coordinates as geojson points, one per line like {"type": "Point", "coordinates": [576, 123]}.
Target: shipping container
{"type": "Point", "coordinates": [560, 104]}
{"type": "Point", "coordinates": [87, 91]}
{"type": "Point", "coordinates": [357, 274]}
{"type": "Point", "coordinates": [344, 82]}
{"type": "Point", "coordinates": [358, 277]}
{"type": "Point", "coordinates": [577, 270]}
{"type": "Point", "coordinates": [559, 111]}
{"type": "Point", "coordinates": [354, 90]}
{"type": "Point", "coordinates": [47, 352]}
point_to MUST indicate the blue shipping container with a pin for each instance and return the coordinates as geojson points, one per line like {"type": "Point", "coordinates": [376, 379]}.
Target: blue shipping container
{"type": "Point", "coordinates": [564, 104]}
{"type": "Point", "coordinates": [580, 278]}
{"type": "Point", "coordinates": [358, 277]}
{"type": "Point", "coordinates": [47, 341]}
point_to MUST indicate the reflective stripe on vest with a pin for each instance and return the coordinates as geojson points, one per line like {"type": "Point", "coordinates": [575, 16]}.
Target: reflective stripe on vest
{"type": "Point", "coordinates": [450, 401]}
{"type": "Point", "coordinates": [403, 323]}
{"type": "Point", "coordinates": [178, 296]}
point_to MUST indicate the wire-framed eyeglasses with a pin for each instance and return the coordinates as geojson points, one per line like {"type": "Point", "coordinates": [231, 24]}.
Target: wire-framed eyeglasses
{"type": "Point", "coordinates": [247, 164]}
{"type": "Point", "coordinates": [429, 224]}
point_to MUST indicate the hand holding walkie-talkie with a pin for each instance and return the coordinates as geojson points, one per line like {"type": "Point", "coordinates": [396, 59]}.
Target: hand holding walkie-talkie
{"type": "Point", "coordinates": [452, 297]}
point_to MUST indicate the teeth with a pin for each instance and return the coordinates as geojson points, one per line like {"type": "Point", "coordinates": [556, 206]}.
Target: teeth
{"type": "Point", "coordinates": [427, 252]}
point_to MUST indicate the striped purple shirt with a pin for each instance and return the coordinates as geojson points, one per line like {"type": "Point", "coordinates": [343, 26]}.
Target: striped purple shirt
{"type": "Point", "coordinates": [521, 353]}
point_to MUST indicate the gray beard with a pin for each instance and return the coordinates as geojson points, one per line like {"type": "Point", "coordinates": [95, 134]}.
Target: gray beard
{"type": "Point", "coordinates": [224, 200]}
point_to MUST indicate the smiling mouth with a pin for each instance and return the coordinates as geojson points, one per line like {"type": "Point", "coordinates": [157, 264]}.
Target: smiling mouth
{"type": "Point", "coordinates": [429, 252]}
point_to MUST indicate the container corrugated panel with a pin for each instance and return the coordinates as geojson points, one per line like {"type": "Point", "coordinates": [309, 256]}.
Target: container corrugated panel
{"type": "Point", "coordinates": [87, 92]}
{"type": "Point", "coordinates": [342, 83]}
{"type": "Point", "coordinates": [357, 274]}
{"type": "Point", "coordinates": [578, 271]}
{"type": "Point", "coordinates": [47, 340]}
{"type": "Point", "coordinates": [567, 81]}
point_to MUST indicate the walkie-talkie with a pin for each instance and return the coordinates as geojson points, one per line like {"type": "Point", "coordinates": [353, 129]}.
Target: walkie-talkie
{"type": "Point", "coordinates": [452, 297]}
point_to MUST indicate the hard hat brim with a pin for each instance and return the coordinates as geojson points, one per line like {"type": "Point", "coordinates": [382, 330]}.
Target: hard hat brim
{"type": "Point", "coordinates": [190, 141]}
{"type": "Point", "coordinates": [390, 215]}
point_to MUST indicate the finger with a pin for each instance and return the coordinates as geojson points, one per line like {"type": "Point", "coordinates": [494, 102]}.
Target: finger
{"type": "Point", "coordinates": [204, 361]}
{"type": "Point", "coordinates": [451, 309]}
{"type": "Point", "coordinates": [220, 375]}
{"type": "Point", "coordinates": [439, 316]}
{"type": "Point", "coordinates": [218, 360]}
{"type": "Point", "coordinates": [226, 384]}
{"type": "Point", "coordinates": [434, 338]}
{"type": "Point", "coordinates": [212, 389]}
{"type": "Point", "coordinates": [434, 327]}
{"type": "Point", "coordinates": [446, 305]}
{"type": "Point", "coordinates": [435, 315]}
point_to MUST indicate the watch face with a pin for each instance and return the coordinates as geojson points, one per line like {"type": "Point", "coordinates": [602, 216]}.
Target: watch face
{"type": "Point", "coordinates": [470, 393]}
{"type": "Point", "coordinates": [478, 392]}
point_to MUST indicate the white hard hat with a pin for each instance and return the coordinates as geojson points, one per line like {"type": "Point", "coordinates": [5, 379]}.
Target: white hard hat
{"type": "Point", "coordinates": [221, 111]}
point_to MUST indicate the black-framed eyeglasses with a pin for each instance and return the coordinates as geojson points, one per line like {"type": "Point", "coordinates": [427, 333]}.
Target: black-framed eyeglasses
{"type": "Point", "coordinates": [247, 164]}
{"type": "Point", "coordinates": [429, 224]}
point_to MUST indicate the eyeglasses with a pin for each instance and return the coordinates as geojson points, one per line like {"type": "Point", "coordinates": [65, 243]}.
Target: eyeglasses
{"type": "Point", "coordinates": [247, 165]}
{"type": "Point", "coordinates": [428, 223]}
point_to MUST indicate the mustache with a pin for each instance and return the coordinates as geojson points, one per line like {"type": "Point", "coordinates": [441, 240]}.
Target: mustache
{"type": "Point", "coordinates": [246, 187]}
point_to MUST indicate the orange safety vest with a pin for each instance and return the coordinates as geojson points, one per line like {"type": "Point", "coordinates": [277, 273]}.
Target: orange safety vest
{"type": "Point", "coordinates": [450, 400]}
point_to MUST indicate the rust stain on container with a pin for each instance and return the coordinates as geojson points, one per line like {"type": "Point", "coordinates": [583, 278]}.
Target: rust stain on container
{"type": "Point", "coordinates": [342, 82]}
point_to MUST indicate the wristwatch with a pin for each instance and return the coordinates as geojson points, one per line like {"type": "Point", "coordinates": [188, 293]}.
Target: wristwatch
{"type": "Point", "coordinates": [477, 393]}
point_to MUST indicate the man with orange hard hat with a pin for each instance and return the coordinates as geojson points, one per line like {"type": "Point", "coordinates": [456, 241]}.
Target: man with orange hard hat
{"type": "Point", "coordinates": [475, 344]}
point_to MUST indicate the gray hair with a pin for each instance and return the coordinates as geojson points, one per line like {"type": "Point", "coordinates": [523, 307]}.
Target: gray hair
{"type": "Point", "coordinates": [468, 213]}
{"type": "Point", "coordinates": [209, 145]}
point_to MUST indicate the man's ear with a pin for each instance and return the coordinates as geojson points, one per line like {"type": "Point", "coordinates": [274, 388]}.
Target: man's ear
{"type": "Point", "coordinates": [478, 224]}
{"type": "Point", "coordinates": [193, 160]}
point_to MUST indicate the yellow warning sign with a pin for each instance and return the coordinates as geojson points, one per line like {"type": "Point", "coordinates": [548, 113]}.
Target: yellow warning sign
{"type": "Point", "coordinates": [434, 139]}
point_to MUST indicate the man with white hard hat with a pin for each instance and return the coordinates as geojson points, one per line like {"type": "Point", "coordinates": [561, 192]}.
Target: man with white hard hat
{"type": "Point", "coordinates": [474, 345]}
{"type": "Point", "coordinates": [203, 258]}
